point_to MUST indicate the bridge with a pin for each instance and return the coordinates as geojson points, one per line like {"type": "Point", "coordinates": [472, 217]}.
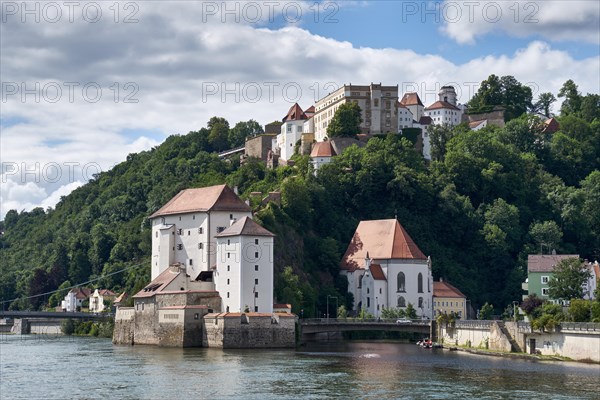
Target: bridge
{"type": "Point", "coordinates": [309, 328]}
{"type": "Point", "coordinates": [51, 314]}
{"type": "Point", "coordinates": [41, 322]}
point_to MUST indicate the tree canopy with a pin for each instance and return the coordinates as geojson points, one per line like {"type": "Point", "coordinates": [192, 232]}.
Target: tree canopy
{"type": "Point", "coordinates": [567, 280]}
{"type": "Point", "coordinates": [346, 121]}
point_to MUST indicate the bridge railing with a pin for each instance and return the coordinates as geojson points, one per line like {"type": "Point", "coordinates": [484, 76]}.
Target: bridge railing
{"type": "Point", "coordinates": [326, 321]}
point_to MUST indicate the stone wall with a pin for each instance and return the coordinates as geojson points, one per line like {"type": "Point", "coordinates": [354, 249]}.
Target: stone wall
{"type": "Point", "coordinates": [259, 146]}
{"type": "Point", "coordinates": [249, 330]}
{"type": "Point", "coordinates": [580, 342]}
{"type": "Point", "coordinates": [124, 326]}
{"type": "Point", "coordinates": [466, 333]}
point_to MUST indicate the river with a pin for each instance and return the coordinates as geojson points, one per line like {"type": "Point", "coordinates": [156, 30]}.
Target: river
{"type": "Point", "coordinates": [46, 367]}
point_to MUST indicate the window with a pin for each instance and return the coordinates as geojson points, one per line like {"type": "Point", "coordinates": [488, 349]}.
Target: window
{"type": "Point", "coordinates": [227, 310]}
{"type": "Point", "coordinates": [256, 254]}
{"type": "Point", "coordinates": [379, 290]}
{"type": "Point", "coordinates": [368, 302]}
{"type": "Point", "coordinates": [228, 281]}
{"type": "Point", "coordinates": [256, 241]}
{"type": "Point", "coordinates": [228, 242]}
{"type": "Point", "coordinates": [227, 294]}
{"type": "Point", "coordinates": [367, 290]}
{"type": "Point", "coordinates": [191, 262]}
{"type": "Point", "coordinates": [228, 255]}
{"type": "Point", "coordinates": [228, 268]}
{"type": "Point", "coordinates": [545, 279]}
{"type": "Point", "coordinates": [200, 246]}
{"type": "Point", "coordinates": [220, 229]}
{"type": "Point", "coordinates": [201, 230]}
{"type": "Point", "coordinates": [401, 302]}
{"type": "Point", "coordinates": [180, 247]}
{"type": "Point", "coordinates": [179, 231]}
{"type": "Point", "coordinates": [230, 216]}
{"type": "Point", "coordinates": [156, 234]}
{"type": "Point", "coordinates": [420, 302]}
{"type": "Point", "coordinates": [401, 282]}
{"type": "Point", "coordinates": [255, 308]}
{"type": "Point", "coordinates": [256, 281]}
{"type": "Point", "coordinates": [256, 294]}
{"type": "Point", "coordinates": [189, 233]}
{"type": "Point", "coordinates": [545, 292]}
{"type": "Point", "coordinates": [420, 283]}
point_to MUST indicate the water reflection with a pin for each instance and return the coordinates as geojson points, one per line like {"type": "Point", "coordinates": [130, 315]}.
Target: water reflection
{"type": "Point", "coordinates": [94, 368]}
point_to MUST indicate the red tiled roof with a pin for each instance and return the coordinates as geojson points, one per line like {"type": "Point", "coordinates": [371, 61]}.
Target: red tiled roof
{"type": "Point", "coordinates": [552, 125]}
{"type": "Point", "coordinates": [121, 297]}
{"type": "Point", "coordinates": [106, 292]}
{"type": "Point", "coordinates": [444, 289]}
{"type": "Point", "coordinates": [295, 113]}
{"type": "Point", "coordinates": [400, 105]}
{"type": "Point", "coordinates": [546, 263]}
{"type": "Point", "coordinates": [475, 124]}
{"type": "Point", "coordinates": [212, 198]}
{"type": "Point", "coordinates": [377, 272]}
{"type": "Point", "coordinates": [411, 99]}
{"type": "Point", "coordinates": [310, 110]}
{"type": "Point", "coordinates": [382, 239]}
{"type": "Point", "coordinates": [323, 149]}
{"type": "Point", "coordinates": [425, 120]}
{"type": "Point", "coordinates": [442, 104]}
{"type": "Point", "coordinates": [159, 283]}
{"type": "Point", "coordinates": [246, 227]}
{"type": "Point", "coordinates": [81, 293]}
{"type": "Point", "coordinates": [277, 305]}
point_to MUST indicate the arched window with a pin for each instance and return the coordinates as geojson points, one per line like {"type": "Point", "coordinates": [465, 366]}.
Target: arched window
{"type": "Point", "coordinates": [420, 283]}
{"type": "Point", "coordinates": [420, 302]}
{"type": "Point", "coordinates": [401, 282]}
{"type": "Point", "coordinates": [401, 301]}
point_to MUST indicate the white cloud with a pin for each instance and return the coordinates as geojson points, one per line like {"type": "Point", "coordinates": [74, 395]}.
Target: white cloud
{"type": "Point", "coordinates": [555, 20]}
{"type": "Point", "coordinates": [173, 68]}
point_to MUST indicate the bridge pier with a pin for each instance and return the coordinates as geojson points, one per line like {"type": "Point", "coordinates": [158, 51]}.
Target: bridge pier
{"type": "Point", "coordinates": [21, 326]}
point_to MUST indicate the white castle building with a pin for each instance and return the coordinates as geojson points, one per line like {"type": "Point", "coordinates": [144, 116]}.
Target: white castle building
{"type": "Point", "coordinates": [386, 269]}
{"type": "Point", "coordinates": [209, 234]}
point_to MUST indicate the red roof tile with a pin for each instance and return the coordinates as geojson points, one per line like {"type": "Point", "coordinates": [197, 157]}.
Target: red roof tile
{"type": "Point", "coordinates": [159, 283]}
{"type": "Point", "coordinates": [475, 124]}
{"type": "Point", "coordinates": [425, 120]}
{"type": "Point", "coordinates": [377, 272]}
{"type": "Point", "coordinates": [411, 99]}
{"type": "Point", "coordinates": [444, 289]}
{"type": "Point", "coordinates": [246, 227]}
{"type": "Point", "coordinates": [382, 239]}
{"type": "Point", "coordinates": [442, 104]}
{"type": "Point", "coordinates": [212, 198]}
{"type": "Point", "coordinates": [546, 263]}
{"type": "Point", "coordinates": [551, 125]}
{"type": "Point", "coordinates": [295, 113]}
{"type": "Point", "coordinates": [323, 149]}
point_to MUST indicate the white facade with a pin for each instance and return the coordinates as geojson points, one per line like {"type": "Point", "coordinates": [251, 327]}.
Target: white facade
{"type": "Point", "coordinates": [189, 239]}
{"type": "Point", "coordinates": [291, 133]}
{"type": "Point", "coordinates": [244, 272]}
{"type": "Point", "coordinates": [405, 118]}
{"type": "Point", "coordinates": [400, 288]}
{"type": "Point", "coordinates": [378, 104]}
{"type": "Point", "coordinates": [444, 116]}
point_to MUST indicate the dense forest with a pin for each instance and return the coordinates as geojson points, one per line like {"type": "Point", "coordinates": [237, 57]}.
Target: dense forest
{"type": "Point", "coordinates": [486, 200]}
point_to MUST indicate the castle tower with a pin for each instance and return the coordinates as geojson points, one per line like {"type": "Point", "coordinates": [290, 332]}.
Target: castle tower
{"type": "Point", "coordinates": [448, 95]}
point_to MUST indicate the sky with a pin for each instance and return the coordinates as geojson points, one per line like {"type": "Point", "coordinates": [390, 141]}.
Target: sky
{"type": "Point", "coordinates": [86, 83]}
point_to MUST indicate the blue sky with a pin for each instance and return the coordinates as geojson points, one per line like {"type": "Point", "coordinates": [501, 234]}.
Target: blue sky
{"type": "Point", "coordinates": [174, 51]}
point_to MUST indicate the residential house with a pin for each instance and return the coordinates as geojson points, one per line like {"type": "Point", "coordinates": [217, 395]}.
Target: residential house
{"type": "Point", "coordinates": [448, 299]}
{"type": "Point", "coordinates": [322, 153]}
{"type": "Point", "coordinates": [74, 299]}
{"type": "Point", "coordinates": [589, 287]}
{"type": "Point", "coordinates": [386, 269]}
{"type": "Point", "coordinates": [540, 270]}
{"type": "Point", "coordinates": [98, 299]}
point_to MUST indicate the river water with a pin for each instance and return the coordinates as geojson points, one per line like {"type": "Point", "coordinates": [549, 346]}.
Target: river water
{"type": "Point", "coordinates": [46, 367]}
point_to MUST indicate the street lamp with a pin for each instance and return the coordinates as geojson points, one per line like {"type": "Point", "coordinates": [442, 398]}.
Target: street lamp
{"type": "Point", "coordinates": [336, 305]}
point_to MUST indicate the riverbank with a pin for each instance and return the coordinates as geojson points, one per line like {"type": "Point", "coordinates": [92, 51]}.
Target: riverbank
{"type": "Point", "coordinates": [518, 356]}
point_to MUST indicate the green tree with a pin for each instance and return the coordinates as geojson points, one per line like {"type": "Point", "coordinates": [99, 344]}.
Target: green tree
{"type": "Point", "coordinates": [346, 121]}
{"type": "Point", "coordinates": [546, 233]}
{"type": "Point", "coordinates": [218, 138]}
{"type": "Point", "coordinates": [410, 311]}
{"type": "Point", "coordinates": [531, 304]}
{"type": "Point", "coordinates": [572, 102]}
{"type": "Point", "coordinates": [544, 103]}
{"type": "Point", "coordinates": [242, 130]}
{"type": "Point", "coordinates": [506, 92]}
{"type": "Point", "coordinates": [580, 310]}
{"type": "Point", "coordinates": [486, 311]}
{"type": "Point", "coordinates": [567, 280]}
